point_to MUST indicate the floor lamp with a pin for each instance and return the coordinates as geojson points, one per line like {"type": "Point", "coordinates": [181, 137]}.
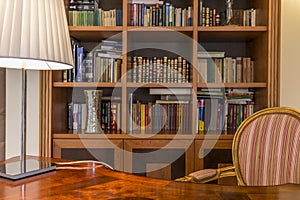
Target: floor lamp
{"type": "Point", "coordinates": [33, 36]}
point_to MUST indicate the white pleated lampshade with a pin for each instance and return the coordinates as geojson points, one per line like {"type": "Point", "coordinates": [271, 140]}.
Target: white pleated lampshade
{"type": "Point", "coordinates": [34, 35]}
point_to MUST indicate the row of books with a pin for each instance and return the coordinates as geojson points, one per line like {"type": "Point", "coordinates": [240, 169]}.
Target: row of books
{"type": "Point", "coordinates": [226, 70]}
{"type": "Point", "coordinates": [103, 64]}
{"type": "Point", "coordinates": [82, 66]}
{"type": "Point", "coordinates": [160, 116]}
{"type": "Point", "coordinates": [239, 105]}
{"type": "Point", "coordinates": [158, 69]}
{"type": "Point", "coordinates": [244, 17]}
{"type": "Point", "coordinates": [78, 73]}
{"type": "Point", "coordinates": [236, 114]}
{"type": "Point", "coordinates": [76, 116]}
{"type": "Point", "coordinates": [218, 111]}
{"type": "Point", "coordinates": [223, 112]}
{"type": "Point", "coordinates": [154, 13]}
{"type": "Point", "coordinates": [158, 14]}
{"type": "Point", "coordinates": [215, 116]}
{"type": "Point", "coordinates": [110, 116]}
{"type": "Point", "coordinates": [106, 69]}
{"type": "Point", "coordinates": [98, 17]}
{"type": "Point", "coordinates": [211, 17]}
{"type": "Point", "coordinates": [107, 61]}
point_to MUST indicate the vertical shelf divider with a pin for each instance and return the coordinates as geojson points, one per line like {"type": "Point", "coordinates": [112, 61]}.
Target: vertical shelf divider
{"type": "Point", "coordinates": [194, 67]}
{"type": "Point", "coordinates": [124, 69]}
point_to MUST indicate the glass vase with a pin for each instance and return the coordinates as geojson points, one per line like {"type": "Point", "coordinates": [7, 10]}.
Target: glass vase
{"type": "Point", "coordinates": [229, 12]}
{"type": "Point", "coordinates": [93, 106]}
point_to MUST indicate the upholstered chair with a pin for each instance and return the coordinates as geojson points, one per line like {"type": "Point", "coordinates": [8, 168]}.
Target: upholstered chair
{"type": "Point", "coordinates": [265, 150]}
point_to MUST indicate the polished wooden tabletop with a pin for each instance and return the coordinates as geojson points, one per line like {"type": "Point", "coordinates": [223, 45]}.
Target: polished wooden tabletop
{"type": "Point", "coordinates": [103, 183]}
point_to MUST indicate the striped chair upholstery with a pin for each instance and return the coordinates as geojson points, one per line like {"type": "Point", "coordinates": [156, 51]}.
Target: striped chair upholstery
{"type": "Point", "coordinates": [266, 148]}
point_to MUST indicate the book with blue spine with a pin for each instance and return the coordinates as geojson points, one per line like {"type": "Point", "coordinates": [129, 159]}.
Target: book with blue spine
{"type": "Point", "coordinates": [79, 117]}
{"type": "Point", "coordinates": [201, 107]}
{"type": "Point", "coordinates": [80, 65]}
{"type": "Point", "coordinates": [167, 14]}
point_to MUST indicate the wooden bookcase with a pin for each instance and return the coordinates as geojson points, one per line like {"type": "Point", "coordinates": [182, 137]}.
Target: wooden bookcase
{"type": "Point", "coordinates": [259, 42]}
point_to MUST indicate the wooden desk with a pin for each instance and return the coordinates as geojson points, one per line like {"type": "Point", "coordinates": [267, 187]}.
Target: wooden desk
{"type": "Point", "coordinates": [102, 183]}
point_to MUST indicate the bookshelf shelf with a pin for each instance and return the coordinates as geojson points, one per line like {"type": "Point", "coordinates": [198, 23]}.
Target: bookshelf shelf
{"type": "Point", "coordinates": [94, 33]}
{"type": "Point", "coordinates": [144, 136]}
{"type": "Point", "coordinates": [95, 28]}
{"type": "Point", "coordinates": [163, 29]}
{"type": "Point", "coordinates": [260, 43]}
{"type": "Point", "coordinates": [85, 84]}
{"type": "Point", "coordinates": [233, 34]}
{"type": "Point", "coordinates": [232, 85]}
{"type": "Point", "coordinates": [159, 85]}
{"type": "Point", "coordinates": [239, 29]}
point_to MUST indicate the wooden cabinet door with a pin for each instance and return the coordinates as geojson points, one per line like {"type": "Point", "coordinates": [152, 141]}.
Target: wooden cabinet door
{"type": "Point", "coordinates": [108, 151]}
{"type": "Point", "coordinates": [211, 152]}
{"type": "Point", "coordinates": [167, 159]}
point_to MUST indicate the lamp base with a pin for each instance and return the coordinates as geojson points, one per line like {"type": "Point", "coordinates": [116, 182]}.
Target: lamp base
{"type": "Point", "coordinates": [13, 171]}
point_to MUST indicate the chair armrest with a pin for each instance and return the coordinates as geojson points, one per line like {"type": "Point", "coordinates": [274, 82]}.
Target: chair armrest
{"type": "Point", "coordinates": [203, 174]}
{"type": "Point", "coordinates": [226, 172]}
{"type": "Point", "coordinates": [207, 175]}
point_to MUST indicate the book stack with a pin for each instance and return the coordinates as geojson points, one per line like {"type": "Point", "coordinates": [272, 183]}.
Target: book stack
{"type": "Point", "coordinates": [157, 13]}
{"type": "Point", "coordinates": [214, 67]}
{"type": "Point", "coordinates": [111, 17]}
{"type": "Point", "coordinates": [211, 110]}
{"type": "Point", "coordinates": [81, 13]}
{"type": "Point", "coordinates": [210, 66]}
{"type": "Point", "coordinates": [167, 116]}
{"type": "Point", "coordinates": [77, 74]}
{"type": "Point", "coordinates": [88, 13]}
{"type": "Point", "coordinates": [76, 117]}
{"type": "Point", "coordinates": [110, 114]}
{"type": "Point", "coordinates": [239, 105]}
{"type": "Point", "coordinates": [244, 17]}
{"type": "Point", "coordinates": [81, 5]}
{"type": "Point", "coordinates": [101, 65]}
{"type": "Point", "coordinates": [107, 59]}
{"type": "Point", "coordinates": [158, 70]}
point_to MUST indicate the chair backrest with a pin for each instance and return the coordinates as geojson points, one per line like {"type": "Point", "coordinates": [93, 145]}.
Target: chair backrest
{"type": "Point", "coordinates": [266, 148]}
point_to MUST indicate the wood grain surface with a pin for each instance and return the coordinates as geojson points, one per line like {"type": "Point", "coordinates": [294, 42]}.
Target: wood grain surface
{"type": "Point", "coordinates": [103, 183]}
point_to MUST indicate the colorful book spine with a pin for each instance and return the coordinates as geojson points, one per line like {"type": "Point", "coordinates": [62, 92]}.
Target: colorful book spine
{"type": "Point", "coordinates": [115, 116]}
{"type": "Point", "coordinates": [201, 107]}
{"type": "Point", "coordinates": [70, 116]}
